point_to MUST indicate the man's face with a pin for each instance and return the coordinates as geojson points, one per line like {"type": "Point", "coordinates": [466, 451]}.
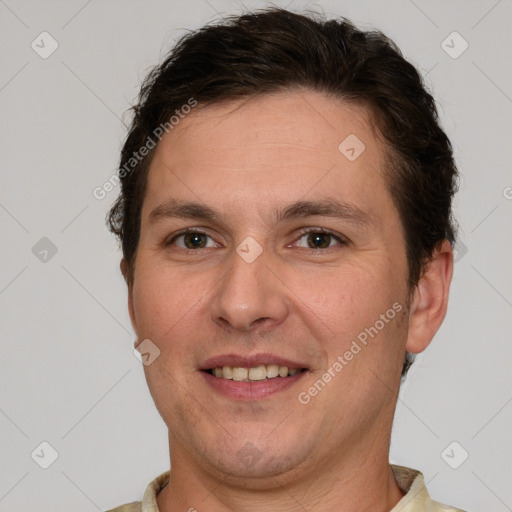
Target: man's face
{"type": "Point", "coordinates": [266, 283]}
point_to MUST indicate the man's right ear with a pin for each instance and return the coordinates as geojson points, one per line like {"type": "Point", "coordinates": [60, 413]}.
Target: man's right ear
{"type": "Point", "coordinates": [125, 271]}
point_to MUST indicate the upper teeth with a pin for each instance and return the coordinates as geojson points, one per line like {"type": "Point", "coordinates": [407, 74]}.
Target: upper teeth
{"type": "Point", "coordinates": [255, 373]}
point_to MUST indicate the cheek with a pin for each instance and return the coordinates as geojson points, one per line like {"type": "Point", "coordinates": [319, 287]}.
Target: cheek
{"type": "Point", "coordinates": [350, 293]}
{"type": "Point", "coordinates": [347, 306]}
{"type": "Point", "coordinates": [161, 300]}
{"type": "Point", "coordinates": [171, 308]}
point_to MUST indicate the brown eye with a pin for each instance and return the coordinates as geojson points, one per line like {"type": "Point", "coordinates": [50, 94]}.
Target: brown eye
{"type": "Point", "coordinates": [190, 240]}
{"type": "Point", "coordinates": [319, 240]}
{"type": "Point", "coordinates": [194, 240]}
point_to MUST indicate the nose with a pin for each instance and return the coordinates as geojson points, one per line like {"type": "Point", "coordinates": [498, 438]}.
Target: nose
{"type": "Point", "coordinates": [251, 296]}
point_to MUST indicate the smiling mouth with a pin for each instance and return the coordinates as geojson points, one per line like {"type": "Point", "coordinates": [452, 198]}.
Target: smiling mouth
{"type": "Point", "coordinates": [253, 374]}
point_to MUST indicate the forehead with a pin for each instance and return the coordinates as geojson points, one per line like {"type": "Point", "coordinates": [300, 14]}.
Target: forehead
{"type": "Point", "coordinates": [271, 149]}
{"type": "Point", "coordinates": [302, 120]}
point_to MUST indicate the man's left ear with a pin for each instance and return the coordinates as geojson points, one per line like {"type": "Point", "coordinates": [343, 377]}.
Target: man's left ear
{"type": "Point", "coordinates": [430, 300]}
{"type": "Point", "coordinates": [125, 271]}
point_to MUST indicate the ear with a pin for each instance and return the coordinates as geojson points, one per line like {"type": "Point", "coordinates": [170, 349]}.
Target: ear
{"type": "Point", "coordinates": [430, 301]}
{"type": "Point", "coordinates": [125, 271]}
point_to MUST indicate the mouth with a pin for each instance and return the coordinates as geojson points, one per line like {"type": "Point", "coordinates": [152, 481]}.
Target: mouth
{"type": "Point", "coordinates": [254, 373]}
{"type": "Point", "coordinates": [251, 378]}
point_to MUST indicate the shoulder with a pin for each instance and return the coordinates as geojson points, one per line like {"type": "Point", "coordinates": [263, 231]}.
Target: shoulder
{"type": "Point", "coordinates": [439, 507]}
{"type": "Point", "coordinates": [416, 497]}
{"type": "Point", "coordinates": [135, 506]}
{"type": "Point", "coordinates": [148, 503]}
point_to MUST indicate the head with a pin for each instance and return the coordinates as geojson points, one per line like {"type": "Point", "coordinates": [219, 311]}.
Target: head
{"type": "Point", "coordinates": [278, 120]}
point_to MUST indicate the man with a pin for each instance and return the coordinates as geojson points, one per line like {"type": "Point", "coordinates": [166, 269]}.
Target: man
{"type": "Point", "coordinates": [285, 219]}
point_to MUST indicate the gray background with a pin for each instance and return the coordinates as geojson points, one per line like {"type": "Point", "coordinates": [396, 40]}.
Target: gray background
{"type": "Point", "coordinates": [68, 373]}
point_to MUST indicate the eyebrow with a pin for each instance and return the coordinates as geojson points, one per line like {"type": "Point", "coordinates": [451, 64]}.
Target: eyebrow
{"type": "Point", "coordinates": [297, 210]}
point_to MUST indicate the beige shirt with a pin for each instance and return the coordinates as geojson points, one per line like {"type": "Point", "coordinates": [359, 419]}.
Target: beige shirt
{"type": "Point", "coordinates": [410, 482]}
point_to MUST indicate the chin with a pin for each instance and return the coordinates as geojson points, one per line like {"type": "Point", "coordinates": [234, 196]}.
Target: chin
{"type": "Point", "coordinates": [259, 464]}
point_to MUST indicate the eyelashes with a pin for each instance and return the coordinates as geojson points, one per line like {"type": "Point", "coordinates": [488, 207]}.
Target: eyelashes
{"type": "Point", "coordinates": [319, 234]}
{"type": "Point", "coordinates": [192, 240]}
{"type": "Point", "coordinates": [195, 235]}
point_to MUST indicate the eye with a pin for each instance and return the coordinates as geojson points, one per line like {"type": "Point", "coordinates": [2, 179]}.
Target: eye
{"type": "Point", "coordinates": [191, 240]}
{"type": "Point", "coordinates": [320, 239]}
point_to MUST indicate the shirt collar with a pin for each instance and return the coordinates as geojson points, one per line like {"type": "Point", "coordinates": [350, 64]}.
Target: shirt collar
{"type": "Point", "coordinates": [149, 503]}
{"type": "Point", "coordinates": [412, 483]}
{"type": "Point", "coordinates": [409, 481]}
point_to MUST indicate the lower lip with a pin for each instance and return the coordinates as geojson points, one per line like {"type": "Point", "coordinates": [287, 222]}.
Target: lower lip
{"type": "Point", "coordinates": [241, 390]}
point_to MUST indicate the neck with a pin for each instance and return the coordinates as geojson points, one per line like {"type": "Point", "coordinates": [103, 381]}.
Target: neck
{"type": "Point", "coordinates": [361, 481]}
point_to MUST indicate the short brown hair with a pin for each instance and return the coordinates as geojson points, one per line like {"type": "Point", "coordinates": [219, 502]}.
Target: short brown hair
{"type": "Point", "coordinates": [273, 50]}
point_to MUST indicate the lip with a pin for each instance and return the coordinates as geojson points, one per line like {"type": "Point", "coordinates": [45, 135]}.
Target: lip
{"type": "Point", "coordinates": [249, 361]}
{"type": "Point", "coordinates": [256, 390]}
{"type": "Point", "coordinates": [251, 391]}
